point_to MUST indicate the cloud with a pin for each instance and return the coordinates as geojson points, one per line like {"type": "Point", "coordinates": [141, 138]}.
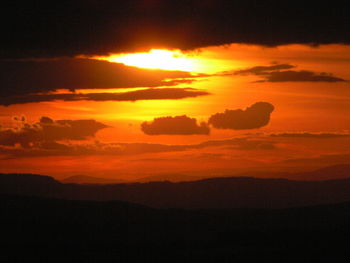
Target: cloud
{"type": "Point", "coordinates": [302, 75]}
{"type": "Point", "coordinates": [181, 125]}
{"type": "Point", "coordinates": [47, 131]}
{"type": "Point", "coordinates": [256, 145]}
{"type": "Point", "coordinates": [29, 77]}
{"type": "Point", "coordinates": [255, 116]}
{"type": "Point", "coordinates": [311, 135]}
{"type": "Point", "coordinates": [51, 148]}
{"type": "Point", "coordinates": [144, 94]}
{"type": "Point", "coordinates": [95, 27]}
{"type": "Point", "coordinates": [262, 70]}
{"type": "Point", "coordinates": [279, 73]}
{"type": "Point", "coordinates": [320, 161]}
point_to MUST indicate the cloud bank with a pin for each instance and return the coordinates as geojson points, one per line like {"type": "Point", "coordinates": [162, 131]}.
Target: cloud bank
{"type": "Point", "coordinates": [100, 27]}
{"type": "Point", "coordinates": [23, 78]}
{"type": "Point", "coordinates": [47, 131]}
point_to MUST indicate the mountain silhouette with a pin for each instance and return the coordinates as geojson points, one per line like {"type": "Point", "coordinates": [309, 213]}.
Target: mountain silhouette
{"type": "Point", "coordinates": [59, 230]}
{"type": "Point", "coordinates": [213, 193]}
{"type": "Point", "coordinates": [84, 179]}
{"type": "Point", "coordinates": [168, 177]}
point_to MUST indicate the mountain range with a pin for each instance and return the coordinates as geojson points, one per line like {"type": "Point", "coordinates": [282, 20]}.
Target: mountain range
{"type": "Point", "coordinates": [212, 193]}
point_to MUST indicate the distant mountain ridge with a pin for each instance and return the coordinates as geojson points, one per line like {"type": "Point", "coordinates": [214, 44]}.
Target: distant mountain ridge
{"type": "Point", "coordinates": [213, 193]}
{"type": "Point", "coordinates": [84, 179]}
{"type": "Point", "coordinates": [119, 231]}
{"type": "Point", "coordinates": [326, 173]}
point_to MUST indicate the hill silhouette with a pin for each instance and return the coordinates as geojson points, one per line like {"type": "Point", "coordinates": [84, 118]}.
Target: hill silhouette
{"type": "Point", "coordinates": [213, 193]}
{"type": "Point", "coordinates": [57, 230]}
{"type": "Point", "coordinates": [168, 177]}
{"type": "Point", "coordinates": [84, 179]}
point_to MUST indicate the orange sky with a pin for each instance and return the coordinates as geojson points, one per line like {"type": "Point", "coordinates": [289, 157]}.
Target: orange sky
{"type": "Point", "coordinates": [314, 106]}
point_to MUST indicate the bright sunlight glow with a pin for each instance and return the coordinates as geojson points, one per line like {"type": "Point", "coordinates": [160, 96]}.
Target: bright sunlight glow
{"type": "Point", "coordinates": [155, 59]}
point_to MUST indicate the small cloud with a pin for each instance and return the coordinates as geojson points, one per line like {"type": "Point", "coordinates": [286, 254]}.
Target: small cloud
{"type": "Point", "coordinates": [255, 116]}
{"type": "Point", "coordinates": [181, 125]}
{"type": "Point", "coordinates": [262, 70]}
{"type": "Point", "coordinates": [279, 73]}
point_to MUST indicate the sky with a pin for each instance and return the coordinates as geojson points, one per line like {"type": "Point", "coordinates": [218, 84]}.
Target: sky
{"type": "Point", "coordinates": [126, 90]}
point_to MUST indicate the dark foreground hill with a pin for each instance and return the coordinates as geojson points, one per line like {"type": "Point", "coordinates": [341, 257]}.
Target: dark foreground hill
{"type": "Point", "coordinates": [53, 230]}
{"type": "Point", "coordinates": [214, 193]}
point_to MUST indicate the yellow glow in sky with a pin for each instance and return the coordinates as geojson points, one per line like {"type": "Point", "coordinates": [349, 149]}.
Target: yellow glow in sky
{"type": "Point", "coordinates": [195, 62]}
{"type": "Point", "coordinates": [156, 59]}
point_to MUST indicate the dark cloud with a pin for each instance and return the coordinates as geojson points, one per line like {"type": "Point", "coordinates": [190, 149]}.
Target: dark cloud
{"type": "Point", "coordinates": [302, 75]}
{"type": "Point", "coordinates": [97, 27]}
{"type": "Point", "coordinates": [263, 70]}
{"type": "Point", "coordinates": [144, 94]}
{"type": "Point", "coordinates": [279, 73]}
{"type": "Point", "coordinates": [311, 135]}
{"type": "Point", "coordinates": [182, 125]}
{"type": "Point", "coordinates": [255, 116]}
{"type": "Point", "coordinates": [22, 78]}
{"type": "Point", "coordinates": [48, 131]}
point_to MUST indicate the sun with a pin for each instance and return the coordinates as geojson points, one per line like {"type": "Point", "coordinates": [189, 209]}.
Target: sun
{"type": "Point", "coordinates": [155, 59]}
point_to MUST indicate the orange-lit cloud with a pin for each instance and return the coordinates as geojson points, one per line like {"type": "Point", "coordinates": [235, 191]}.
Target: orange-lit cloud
{"type": "Point", "coordinates": [155, 59]}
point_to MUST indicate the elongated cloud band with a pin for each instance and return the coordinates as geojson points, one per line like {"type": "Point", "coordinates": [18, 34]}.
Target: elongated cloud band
{"type": "Point", "coordinates": [95, 27]}
{"type": "Point", "coordinates": [38, 78]}
{"type": "Point", "coordinates": [282, 73]}
{"type": "Point", "coordinates": [144, 94]}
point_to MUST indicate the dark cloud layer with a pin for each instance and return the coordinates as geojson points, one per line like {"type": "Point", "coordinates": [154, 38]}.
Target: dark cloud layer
{"type": "Point", "coordinates": [144, 94]}
{"type": "Point", "coordinates": [255, 116]}
{"type": "Point", "coordinates": [302, 75]}
{"type": "Point", "coordinates": [47, 131]}
{"type": "Point", "coordinates": [56, 28]}
{"type": "Point", "coordinates": [21, 78]}
{"type": "Point", "coordinates": [181, 125]}
{"type": "Point", "coordinates": [279, 73]}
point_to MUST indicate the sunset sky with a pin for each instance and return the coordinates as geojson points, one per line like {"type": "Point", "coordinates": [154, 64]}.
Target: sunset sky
{"type": "Point", "coordinates": [136, 89]}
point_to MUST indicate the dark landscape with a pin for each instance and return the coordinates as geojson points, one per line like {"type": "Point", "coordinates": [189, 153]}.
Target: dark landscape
{"type": "Point", "coordinates": [214, 219]}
